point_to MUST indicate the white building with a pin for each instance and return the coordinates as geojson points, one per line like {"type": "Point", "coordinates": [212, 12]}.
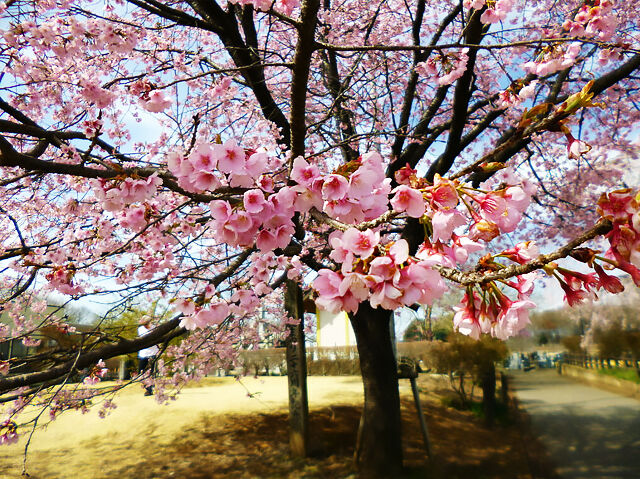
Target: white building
{"type": "Point", "coordinates": [334, 329]}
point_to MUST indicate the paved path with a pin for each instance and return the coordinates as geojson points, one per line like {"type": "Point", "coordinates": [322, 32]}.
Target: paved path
{"type": "Point", "coordinates": [589, 433]}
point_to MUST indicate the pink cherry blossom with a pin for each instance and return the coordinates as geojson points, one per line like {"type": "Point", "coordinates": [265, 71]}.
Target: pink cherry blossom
{"type": "Point", "coordinates": [484, 230]}
{"type": "Point", "coordinates": [522, 252]}
{"type": "Point", "coordinates": [360, 243]}
{"type": "Point", "coordinates": [443, 193]}
{"type": "Point", "coordinates": [334, 187]}
{"type": "Point", "coordinates": [220, 210]}
{"type": "Point", "coordinates": [608, 282]}
{"type": "Point", "coordinates": [266, 241]}
{"type": "Point", "coordinates": [512, 320]}
{"type": "Point", "coordinates": [399, 251]}
{"type": "Point", "coordinates": [257, 164]}
{"type": "Point", "coordinates": [156, 102]}
{"type": "Point", "coordinates": [254, 201]}
{"type": "Point", "coordinates": [445, 222]}
{"type": "Point", "coordinates": [203, 158]}
{"type": "Point", "coordinates": [205, 180]}
{"type": "Point", "coordinates": [134, 218]}
{"type": "Point", "coordinates": [303, 173]}
{"type": "Point", "coordinates": [409, 200]}
{"type": "Point", "coordinates": [230, 157]}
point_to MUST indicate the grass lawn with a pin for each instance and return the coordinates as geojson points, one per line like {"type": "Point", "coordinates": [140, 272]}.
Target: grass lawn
{"type": "Point", "coordinates": [622, 373]}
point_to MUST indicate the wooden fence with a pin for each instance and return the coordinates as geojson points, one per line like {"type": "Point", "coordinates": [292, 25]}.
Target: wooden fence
{"type": "Point", "coordinates": [597, 362]}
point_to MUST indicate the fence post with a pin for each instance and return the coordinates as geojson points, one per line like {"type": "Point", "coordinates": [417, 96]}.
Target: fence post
{"type": "Point", "coordinates": [297, 373]}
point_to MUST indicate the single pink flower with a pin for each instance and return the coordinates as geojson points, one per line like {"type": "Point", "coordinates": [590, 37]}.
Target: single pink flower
{"type": "Point", "coordinates": [408, 199]}
{"type": "Point", "coordinates": [383, 267]}
{"type": "Point", "coordinates": [461, 248]}
{"type": "Point", "coordinates": [608, 282]}
{"type": "Point", "coordinates": [492, 206]}
{"type": "Point", "coordinates": [220, 210]}
{"type": "Point", "coordinates": [230, 157]}
{"type": "Point", "coordinates": [283, 235]}
{"type": "Point", "coordinates": [444, 222]}
{"type": "Point", "coordinates": [361, 243]}
{"type": "Point", "coordinates": [266, 241]}
{"type": "Point", "coordinates": [443, 194]}
{"type": "Point", "coordinates": [257, 164]}
{"type": "Point", "coordinates": [484, 230]}
{"type": "Point", "coordinates": [202, 158]}
{"type": "Point", "coordinates": [577, 148]}
{"type": "Point", "coordinates": [334, 187]}
{"type": "Point", "coordinates": [362, 182]}
{"type": "Point", "coordinates": [385, 295]}
{"type": "Point", "coordinates": [399, 251]}
{"type": "Point", "coordinates": [512, 320]}
{"type": "Point", "coordinates": [254, 201]}
{"type": "Point", "coordinates": [205, 180]}
{"type": "Point", "coordinates": [240, 222]}
{"type": "Point", "coordinates": [327, 284]}
{"type": "Point", "coordinates": [156, 102]}
{"type": "Point", "coordinates": [465, 318]}
{"type": "Point", "coordinates": [354, 284]}
{"type": "Point", "coordinates": [303, 173]}
{"type": "Point", "coordinates": [574, 296]}
{"type": "Point", "coordinates": [185, 306]}
{"type": "Point", "coordinates": [522, 252]}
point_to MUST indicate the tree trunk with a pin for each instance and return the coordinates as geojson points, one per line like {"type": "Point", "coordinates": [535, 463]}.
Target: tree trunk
{"type": "Point", "coordinates": [489, 394]}
{"type": "Point", "coordinates": [379, 446]}
{"type": "Point", "coordinates": [297, 373]}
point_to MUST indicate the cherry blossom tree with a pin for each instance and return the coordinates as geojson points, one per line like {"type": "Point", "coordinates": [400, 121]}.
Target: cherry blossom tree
{"type": "Point", "coordinates": [205, 154]}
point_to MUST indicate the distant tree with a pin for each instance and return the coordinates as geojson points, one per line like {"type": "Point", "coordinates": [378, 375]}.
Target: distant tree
{"type": "Point", "coordinates": [573, 344]}
{"type": "Point", "coordinates": [468, 363]}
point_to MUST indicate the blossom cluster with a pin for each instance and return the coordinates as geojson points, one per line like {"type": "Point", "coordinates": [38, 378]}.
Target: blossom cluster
{"type": "Point", "coordinates": [492, 313]}
{"type": "Point", "coordinates": [76, 399]}
{"type": "Point", "coordinates": [389, 278]}
{"type": "Point", "coordinates": [61, 278]}
{"type": "Point", "coordinates": [283, 6]}
{"type": "Point", "coordinates": [486, 309]}
{"type": "Point", "coordinates": [356, 192]}
{"type": "Point", "coordinates": [207, 167]}
{"type": "Point", "coordinates": [96, 373]}
{"type": "Point", "coordinates": [553, 58]}
{"type": "Point", "coordinates": [491, 212]}
{"type": "Point", "coordinates": [8, 434]}
{"type": "Point", "coordinates": [579, 287]}
{"type": "Point", "coordinates": [444, 68]}
{"type": "Point", "coordinates": [516, 94]}
{"type": "Point", "coordinates": [115, 195]}
{"type": "Point", "coordinates": [593, 20]}
{"type": "Point", "coordinates": [622, 208]}
{"type": "Point", "coordinates": [197, 316]}
{"type": "Point", "coordinates": [496, 11]}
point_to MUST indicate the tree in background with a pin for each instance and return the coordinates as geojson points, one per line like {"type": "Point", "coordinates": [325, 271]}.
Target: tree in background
{"type": "Point", "coordinates": [470, 363]}
{"type": "Point", "coordinates": [202, 153]}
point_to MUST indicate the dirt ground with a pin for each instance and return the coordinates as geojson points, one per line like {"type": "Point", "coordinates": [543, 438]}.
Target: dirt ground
{"type": "Point", "coordinates": [216, 430]}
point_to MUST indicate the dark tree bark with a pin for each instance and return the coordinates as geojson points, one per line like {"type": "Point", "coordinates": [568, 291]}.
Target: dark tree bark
{"type": "Point", "coordinates": [379, 446]}
{"type": "Point", "coordinates": [489, 394]}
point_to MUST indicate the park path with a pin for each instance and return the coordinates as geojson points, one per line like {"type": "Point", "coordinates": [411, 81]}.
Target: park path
{"type": "Point", "coordinates": [589, 433]}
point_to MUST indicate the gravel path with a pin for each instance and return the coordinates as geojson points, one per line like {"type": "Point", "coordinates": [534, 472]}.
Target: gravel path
{"type": "Point", "coordinates": [590, 433]}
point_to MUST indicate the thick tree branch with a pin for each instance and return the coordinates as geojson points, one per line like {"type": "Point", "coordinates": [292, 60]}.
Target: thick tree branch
{"type": "Point", "coordinates": [474, 32]}
{"type": "Point", "coordinates": [466, 278]}
{"type": "Point", "coordinates": [300, 79]}
{"type": "Point", "coordinates": [410, 90]}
